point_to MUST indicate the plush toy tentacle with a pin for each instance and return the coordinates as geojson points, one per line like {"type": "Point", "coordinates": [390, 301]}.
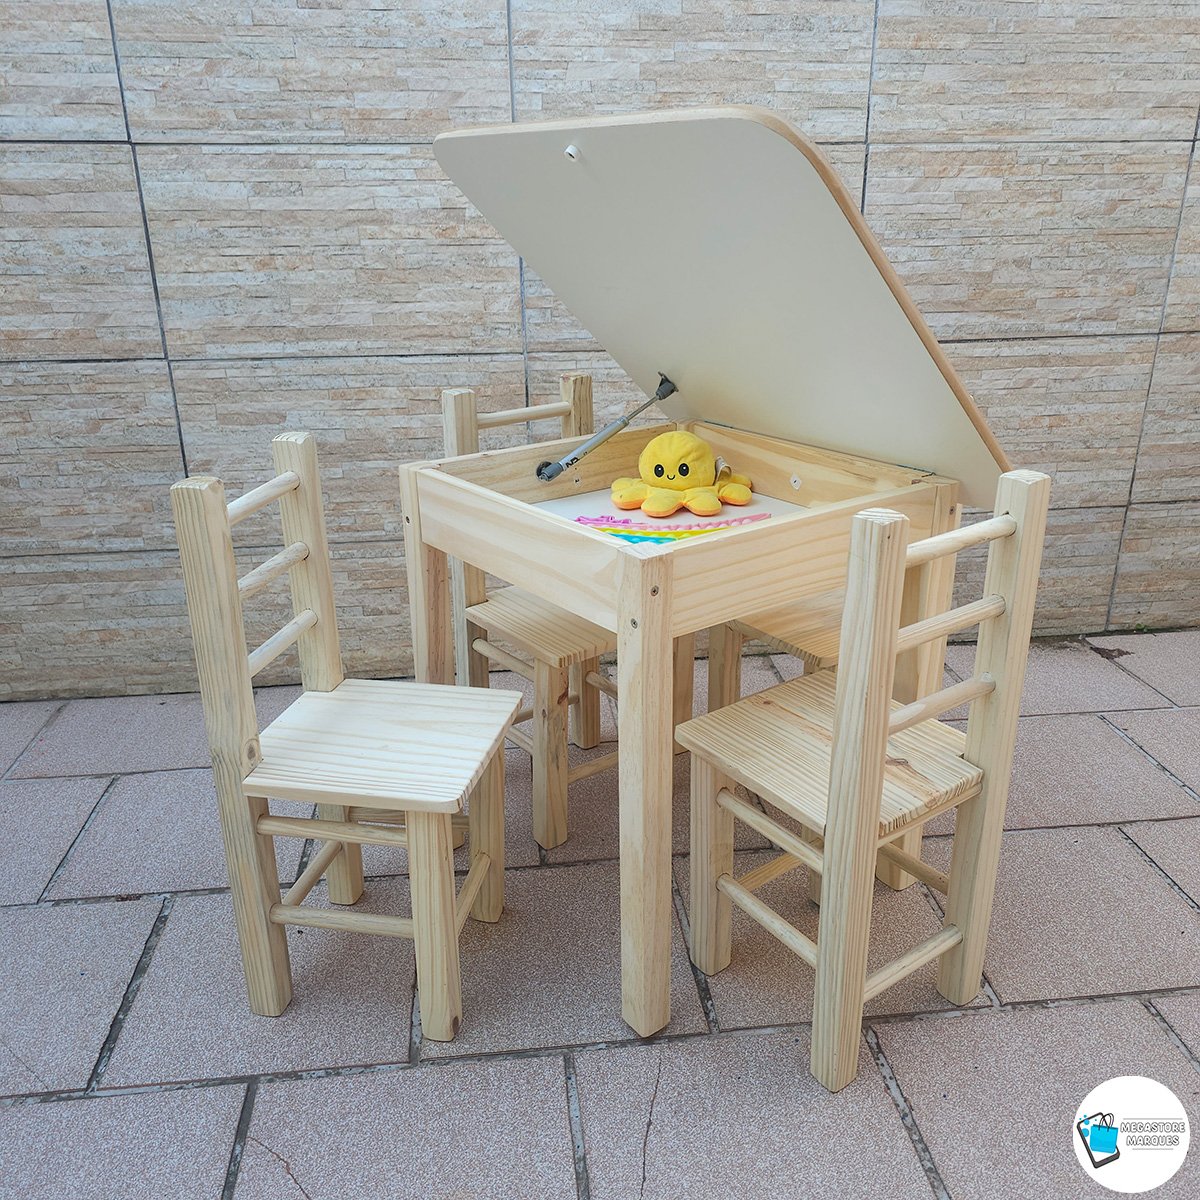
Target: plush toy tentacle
{"type": "Point", "coordinates": [703, 501]}
{"type": "Point", "coordinates": [734, 493]}
{"type": "Point", "coordinates": [629, 493]}
{"type": "Point", "coordinates": [660, 502]}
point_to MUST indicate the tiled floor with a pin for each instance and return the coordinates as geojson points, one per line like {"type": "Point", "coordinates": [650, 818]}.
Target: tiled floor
{"type": "Point", "coordinates": [131, 1067]}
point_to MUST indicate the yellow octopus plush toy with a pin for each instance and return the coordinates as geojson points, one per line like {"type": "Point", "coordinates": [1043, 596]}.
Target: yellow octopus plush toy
{"type": "Point", "coordinates": [678, 470]}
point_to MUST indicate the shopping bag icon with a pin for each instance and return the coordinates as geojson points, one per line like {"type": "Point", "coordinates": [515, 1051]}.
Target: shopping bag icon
{"type": "Point", "coordinates": [1099, 1135]}
{"type": "Point", "coordinates": [1102, 1137]}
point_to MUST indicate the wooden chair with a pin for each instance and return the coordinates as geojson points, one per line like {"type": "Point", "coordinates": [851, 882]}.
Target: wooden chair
{"type": "Point", "coordinates": [558, 652]}
{"type": "Point", "coordinates": [856, 769]}
{"type": "Point", "coordinates": [810, 630]}
{"type": "Point", "coordinates": [385, 763]}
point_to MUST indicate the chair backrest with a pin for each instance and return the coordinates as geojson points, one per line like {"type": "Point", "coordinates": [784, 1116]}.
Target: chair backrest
{"type": "Point", "coordinates": [204, 527]}
{"type": "Point", "coordinates": [462, 422]}
{"type": "Point", "coordinates": [872, 638]}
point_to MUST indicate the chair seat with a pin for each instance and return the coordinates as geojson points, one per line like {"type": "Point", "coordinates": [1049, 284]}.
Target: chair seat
{"type": "Point", "coordinates": [809, 629]}
{"type": "Point", "coordinates": [547, 633]}
{"type": "Point", "coordinates": [779, 743]}
{"type": "Point", "coordinates": [382, 744]}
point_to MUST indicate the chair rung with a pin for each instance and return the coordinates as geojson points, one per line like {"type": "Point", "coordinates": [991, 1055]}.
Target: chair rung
{"type": "Point", "coordinates": [520, 738]}
{"type": "Point", "coordinates": [518, 416]}
{"type": "Point", "coordinates": [769, 919]}
{"type": "Point", "coordinates": [338, 831]}
{"type": "Point", "coordinates": [254, 581]}
{"type": "Point", "coordinates": [594, 767]}
{"type": "Point", "coordinates": [261, 496]}
{"type": "Point", "coordinates": [605, 684]}
{"type": "Point", "coordinates": [959, 539]}
{"type": "Point", "coordinates": [470, 889]}
{"type": "Point", "coordinates": [749, 815]}
{"type": "Point", "coordinates": [313, 872]}
{"type": "Point", "coordinates": [506, 660]}
{"type": "Point", "coordinates": [928, 875]}
{"type": "Point", "coordinates": [389, 816]}
{"type": "Point", "coordinates": [947, 623]}
{"type": "Point", "coordinates": [937, 703]}
{"type": "Point", "coordinates": [350, 922]}
{"type": "Point", "coordinates": [277, 643]}
{"type": "Point", "coordinates": [781, 864]}
{"type": "Point", "coordinates": [906, 964]}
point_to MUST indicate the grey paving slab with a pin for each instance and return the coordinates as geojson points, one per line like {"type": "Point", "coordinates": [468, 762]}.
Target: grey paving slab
{"type": "Point", "coordinates": [995, 1093]}
{"type": "Point", "coordinates": [1080, 912]}
{"type": "Point", "coordinates": [1172, 737]}
{"type": "Point", "coordinates": [1068, 677]}
{"type": "Point", "coordinates": [1077, 770]}
{"type": "Point", "coordinates": [351, 1002]}
{"type": "Point", "coordinates": [549, 973]}
{"type": "Point", "coordinates": [141, 1147]}
{"type": "Point", "coordinates": [1182, 1012]}
{"type": "Point", "coordinates": [154, 832]}
{"type": "Point", "coordinates": [486, 1130]}
{"type": "Point", "coordinates": [39, 819]}
{"type": "Point", "coordinates": [119, 734]}
{"type": "Point", "coordinates": [19, 723]}
{"type": "Point", "coordinates": [1175, 847]}
{"type": "Point", "coordinates": [738, 1116]}
{"type": "Point", "coordinates": [65, 972]}
{"type": "Point", "coordinates": [1168, 662]}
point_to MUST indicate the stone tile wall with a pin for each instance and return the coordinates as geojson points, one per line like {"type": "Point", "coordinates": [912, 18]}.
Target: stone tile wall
{"type": "Point", "coordinates": [220, 219]}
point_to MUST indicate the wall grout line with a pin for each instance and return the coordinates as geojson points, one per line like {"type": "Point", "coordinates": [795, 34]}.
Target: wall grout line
{"type": "Point", "coordinates": [281, 141]}
{"type": "Point", "coordinates": [1162, 320]}
{"type": "Point", "coordinates": [137, 178]}
{"type": "Point", "coordinates": [162, 328]}
{"type": "Point", "coordinates": [862, 202]}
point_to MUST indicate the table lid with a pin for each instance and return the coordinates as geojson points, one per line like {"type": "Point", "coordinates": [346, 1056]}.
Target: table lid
{"type": "Point", "coordinates": [720, 247]}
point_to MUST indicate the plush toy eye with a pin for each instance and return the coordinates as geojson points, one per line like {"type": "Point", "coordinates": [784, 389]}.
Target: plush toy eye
{"type": "Point", "coordinates": [658, 470]}
{"type": "Point", "coordinates": [683, 468]}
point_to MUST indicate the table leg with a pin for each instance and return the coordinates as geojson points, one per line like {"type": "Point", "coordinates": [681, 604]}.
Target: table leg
{"type": "Point", "coordinates": [429, 600]}
{"type": "Point", "coordinates": [645, 733]}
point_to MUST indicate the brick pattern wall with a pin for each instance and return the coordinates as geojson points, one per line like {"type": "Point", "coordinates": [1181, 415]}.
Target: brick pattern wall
{"type": "Point", "coordinates": [221, 219]}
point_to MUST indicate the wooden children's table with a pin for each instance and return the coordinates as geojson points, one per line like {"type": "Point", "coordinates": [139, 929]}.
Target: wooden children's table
{"type": "Point", "coordinates": [719, 248]}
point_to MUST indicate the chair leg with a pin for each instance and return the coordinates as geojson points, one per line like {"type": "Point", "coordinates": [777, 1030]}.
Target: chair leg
{"type": "Point", "coordinates": [254, 883]}
{"type": "Point", "coordinates": [847, 890]}
{"type": "Point", "coordinates": [710, 914]}
{"type": "Point", "coordinates": [435, 928]}
{"type": "Point", "coordinates": [550, 689]}
{"type": "Point", "coordinates": [973, 867]}
{"type": "Point", "coordinates": [683, 661]}
{"type": "Point", "coordinates": [345, 875]}
{"type": "Point", "coordinates": [585, 712]}
{"type": "Point", "coordinates": [486, 815]}
{"type": "Point", "coordinates": [724, 666]}
{"type": "Point", "coordinates": [814, 880]}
